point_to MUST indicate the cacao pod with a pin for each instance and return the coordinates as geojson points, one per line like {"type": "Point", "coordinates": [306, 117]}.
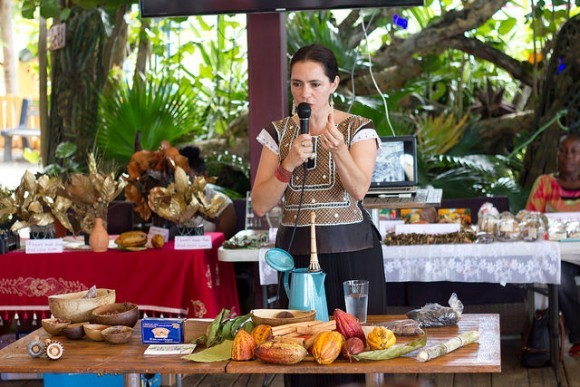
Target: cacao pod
{"type": "Point", "coordinates": [262, 333]}
{"type": "Point", "coordinates": [381, 338]}
{"type": "Point", "coordinates": [348, 325]}
{"type": "Point", "coordinates": [352, 346]}
{"type": "Point", "coordinates": [157, 241]}
{"type": "Point", "coordinates": [244, 346]}
{"type": "Point", "coordinates": [327, 347]}
{"type": "Point", "coordinates": [131, 239]}
{"type": "Point", "coordinates": [280, 352]}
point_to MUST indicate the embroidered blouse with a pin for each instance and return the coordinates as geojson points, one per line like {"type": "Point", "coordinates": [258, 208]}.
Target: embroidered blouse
{"type": "Point", "coordinates": [342, 224]}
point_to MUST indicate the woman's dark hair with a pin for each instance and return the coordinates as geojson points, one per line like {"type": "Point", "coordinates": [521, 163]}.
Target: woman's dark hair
{"type": "Point", "coordinates": [320, 54]}
{"type": "Point", "coordinates": [193, 157]}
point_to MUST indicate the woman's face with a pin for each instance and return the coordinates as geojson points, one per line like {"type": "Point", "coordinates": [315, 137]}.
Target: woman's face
{"type": "Point", "coordinates": [310, 84]}
{"type": "Point", "coordinates": [569, 155]}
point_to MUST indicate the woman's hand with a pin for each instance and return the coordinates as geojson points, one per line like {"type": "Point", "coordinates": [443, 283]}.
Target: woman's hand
{"type": "Point", "coordinates": [302, 149]}
{"type": "Point", "coordinates": [331, 139]}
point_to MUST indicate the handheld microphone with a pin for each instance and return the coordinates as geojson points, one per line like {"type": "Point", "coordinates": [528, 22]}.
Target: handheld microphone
{"type": "Point", "coordinates": [304, 112]}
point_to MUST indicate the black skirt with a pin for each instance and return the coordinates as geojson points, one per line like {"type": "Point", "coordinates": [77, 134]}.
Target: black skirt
{"type": "Point", "coordinates": [339, 267]}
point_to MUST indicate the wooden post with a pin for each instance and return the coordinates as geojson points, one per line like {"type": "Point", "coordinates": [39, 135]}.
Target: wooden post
{"type": "Point", "coordinates": [267, 76]}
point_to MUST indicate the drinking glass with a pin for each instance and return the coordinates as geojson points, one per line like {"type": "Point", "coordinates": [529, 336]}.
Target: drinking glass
{"type": "Point", "coordinates": [356, 295]}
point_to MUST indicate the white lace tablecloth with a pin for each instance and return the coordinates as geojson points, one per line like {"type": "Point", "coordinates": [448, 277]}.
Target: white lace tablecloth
{"type": "Point", "coordinates": [498, 262]}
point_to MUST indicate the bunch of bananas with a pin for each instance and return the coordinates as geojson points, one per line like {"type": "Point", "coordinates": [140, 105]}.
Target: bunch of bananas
{"type": "Point", "coordinates": [132, 240]}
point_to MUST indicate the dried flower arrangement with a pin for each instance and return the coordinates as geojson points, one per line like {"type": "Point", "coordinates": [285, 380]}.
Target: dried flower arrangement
{"type": "Point", "coordinates": [150, 169]}
{"type": "Point", "coordinates": [91, 194]}
{"type": "Point", "coordinates": [37, 202]}
{"type": "Point", "coordinates": [181, 201]}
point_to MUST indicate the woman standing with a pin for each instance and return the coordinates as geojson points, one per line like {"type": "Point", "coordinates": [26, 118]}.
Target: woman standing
{"type": "Point", "coordinates": [343, 148]}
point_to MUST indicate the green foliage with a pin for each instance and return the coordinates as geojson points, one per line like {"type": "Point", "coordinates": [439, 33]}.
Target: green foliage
{"type": "Point", "coordinates": [65, 155]}
{"type": "Point", "coordinates": [438, 134]}
{"type": "Point", "coordinates": [305, 28]}
{"type": "Point", "coordinates": [161, 108]}
{"type": "Point", "coordinates": [220, 79]}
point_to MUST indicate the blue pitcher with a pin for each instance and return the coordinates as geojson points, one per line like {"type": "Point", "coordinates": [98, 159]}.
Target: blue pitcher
{"type": "Point", "coordinates": [305, 290]}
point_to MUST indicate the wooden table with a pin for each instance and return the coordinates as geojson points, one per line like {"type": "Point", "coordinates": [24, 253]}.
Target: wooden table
{"type": "Point", "coordinates": [85, 356]}
{"type": "Point", "coordinates": [499, 262]}
{"type": "Point", "coordinates": [168, 282]}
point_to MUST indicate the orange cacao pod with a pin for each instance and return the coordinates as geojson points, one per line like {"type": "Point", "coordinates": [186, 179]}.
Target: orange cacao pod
{"type": "Point", "coordinates": [348, 325]}
{"type": "Point", "coordinates": [262, 333]}
{"type": "Point", "coordinates": [352, 346]}
{"type": "Point", "coordinates": [327, 347]}
{"type": "Point", "coordinates": [281, 352]}
{"type": "Point", "coordinates": [244, 346]}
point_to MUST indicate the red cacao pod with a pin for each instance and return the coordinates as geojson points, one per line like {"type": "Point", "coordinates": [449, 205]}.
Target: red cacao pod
{"type": "Point", "coordinates": [352, 346]}
{"type": "Point", "coordinates": [348, 325]}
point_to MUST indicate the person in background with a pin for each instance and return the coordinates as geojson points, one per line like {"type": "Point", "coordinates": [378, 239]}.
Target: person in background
{"type": "Point", "coordinates": [226, 220]}
{"type": "Point", "coordinates": [560, 192]}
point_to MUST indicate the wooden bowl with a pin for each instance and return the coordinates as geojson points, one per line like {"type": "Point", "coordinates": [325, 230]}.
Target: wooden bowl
{"type": "Point", "coordinates": [125, 313]}
{"type": "Point", "coordinates": [71, 306]}
{"type": "Point", "coordinates": [94, 331]}
{"type": "Point", "coordinates": [54, 326]}
{"type": "Point", "coordinates": [275, 317]}
{"type": "Point", "coordinates": [74, 331]}
{"type": "Point", "coordinates": [118, 334]}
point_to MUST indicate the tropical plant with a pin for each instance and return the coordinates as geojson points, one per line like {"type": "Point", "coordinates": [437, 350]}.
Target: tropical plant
{"type": "Point", "coordinates": [436, 135]}
{"type": "Point", "coordinates": [220, 79]}
{"type": "Point", "coordinates": [65, 155]}
{"type": "Point", "coordinates": [159, 109]}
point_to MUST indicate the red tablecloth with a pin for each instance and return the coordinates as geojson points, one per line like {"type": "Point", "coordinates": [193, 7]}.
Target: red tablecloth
{"type": "Point", "coordinates": [165, 281]}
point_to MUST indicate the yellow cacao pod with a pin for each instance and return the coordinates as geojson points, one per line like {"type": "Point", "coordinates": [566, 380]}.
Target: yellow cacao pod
{"type": "Point", "coordinates": [381, 338]}
{"type": "Point", "coordinates": [262, 333]}
{"type": "Point", "coordinates": [327, 347]}
{"type": "Point", "coordinates": [131, 239]}
{"type": "Point", "coordinates": [244, 346]}
{"type": "Point", "coordinates": [278, 351]}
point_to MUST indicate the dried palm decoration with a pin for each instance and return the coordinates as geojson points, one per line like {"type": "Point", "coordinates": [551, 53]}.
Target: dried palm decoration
{"type": "Point", "coordinates": [91, 194]}
{"type": "Point", "coordinates": [181, 201]}
{"type": "Point", "coordinates": [37, 202]}
{"type": "Point", "coordinates": [150, 169]}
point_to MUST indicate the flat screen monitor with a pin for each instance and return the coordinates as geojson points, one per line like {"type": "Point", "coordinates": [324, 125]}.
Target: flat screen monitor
{"type": "Point", "coordinates": [396, 164]}
{"type": "Point", "coordinates": [162, 8]}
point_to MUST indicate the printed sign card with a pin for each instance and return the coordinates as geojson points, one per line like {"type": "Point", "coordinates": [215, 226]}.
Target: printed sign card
{"type": "Point", "coordinates": [43, 246]}
{"type": "Point", "coordinates": [193, 242]}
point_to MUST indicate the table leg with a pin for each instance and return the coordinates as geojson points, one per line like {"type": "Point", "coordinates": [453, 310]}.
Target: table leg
{"type": "Point", "coordinates": [374, 380]}
{"type": "Point", "coordinates": [132, 380]}
{"type": "Point", "coordinates": [554, 331]}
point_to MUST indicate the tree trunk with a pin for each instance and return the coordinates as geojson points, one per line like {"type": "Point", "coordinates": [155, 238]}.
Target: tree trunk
{"type": "Point", "coordinates": [77, 79]}
{"type": "Point", "coordinates": [43, 91]}
{"type": "Point", "coordinates": [560, 92]}
{"type": "Point", "coordinates": [143, 52]}
{"type": "Point", "coordinates": [396, 63]}
{"type": "Point", "coordinates": [79, 73]}
{"type": "Point", "coordinates": [497, 134]}
{"type": "Point", "coordinates": [8, 46]}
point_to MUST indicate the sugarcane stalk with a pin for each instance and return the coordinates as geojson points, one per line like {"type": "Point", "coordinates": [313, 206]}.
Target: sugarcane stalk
{"type": "Point", "coordinates": [448, 346]}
